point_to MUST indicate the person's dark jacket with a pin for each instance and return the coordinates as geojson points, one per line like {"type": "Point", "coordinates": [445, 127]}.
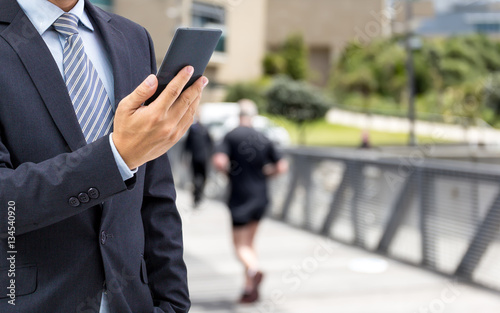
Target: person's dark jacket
{"type": "Point", "coordinates": [199, 143]}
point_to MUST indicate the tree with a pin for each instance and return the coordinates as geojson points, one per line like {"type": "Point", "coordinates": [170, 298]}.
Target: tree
{"type": "Point", "coordinates": [296, 101]}
{"type": "Point", "coordinates": [295, 55]}
{"type": "Point", "coordinates": [291, 59]}
{"type": "Point", "coordinates": [492, 96]}
{"type": "Point", "coordinates": [465, 49]}
{"type": "Point", "coordinates": [253, 90]}
{"type": "Point", "coordinates": [274, 64]}
{"type": "Point", "coordinates": [390, 70]}
{"type": "Point", "coordinates": [446, 74]}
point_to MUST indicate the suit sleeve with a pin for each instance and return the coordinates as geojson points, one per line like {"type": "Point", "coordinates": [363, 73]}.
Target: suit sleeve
{"type": "Point", "coordinates": [163, 253]}
{"type": "Point", "coordinates": [164, 250]}
{"type": "Point", "coordinates": [42, 192]}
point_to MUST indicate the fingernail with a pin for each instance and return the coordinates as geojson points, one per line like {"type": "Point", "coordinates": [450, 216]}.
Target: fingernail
{"type": "Point", "coordinates": [204, 80]}
{"type": "Point", "coordinates": [190, 70]}
{"type": "Point", "coordinates": [150, 81]}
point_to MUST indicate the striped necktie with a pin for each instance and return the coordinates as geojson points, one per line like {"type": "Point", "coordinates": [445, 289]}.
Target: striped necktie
{"type": "Point", "coordinates": [90, 99]}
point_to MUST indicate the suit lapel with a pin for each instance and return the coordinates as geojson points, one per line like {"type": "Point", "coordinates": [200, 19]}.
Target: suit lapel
{"type": "Point", "coordinates": [44, 73]}
{"type": "Point", "coordinates": [117, 50]}
{"type": "Point", "coordinates": [31, 49]}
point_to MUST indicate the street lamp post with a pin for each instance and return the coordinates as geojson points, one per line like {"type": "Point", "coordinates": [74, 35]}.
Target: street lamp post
{"type": "Point", "coordinates": [410, 72]}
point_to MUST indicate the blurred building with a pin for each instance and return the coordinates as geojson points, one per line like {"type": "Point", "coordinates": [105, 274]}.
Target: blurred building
{"type": "Point", "coordinates": [328, 25]}
{"type": "Point", "coordinates": [420, 10]}
{"type": "Point", "coordinates": [252, 27]}
{"type": "Point", "coordinates": [239, 54]}
{"type": "Point", "coordinates": [476, 17]}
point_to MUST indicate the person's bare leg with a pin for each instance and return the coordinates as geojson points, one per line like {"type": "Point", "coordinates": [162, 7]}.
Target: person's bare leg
{"type": "Point", "coordinates": [252, 271]}
{"type": "Point", "coordinates": [252, 231]}
{"type": "Point", "coordinates": [244, 247]}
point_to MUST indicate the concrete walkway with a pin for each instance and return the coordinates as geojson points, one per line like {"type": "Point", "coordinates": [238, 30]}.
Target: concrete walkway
{"type": "Point", "coordinates": [306, 273]}
{"type": "Point", "coordinates": [483, 134]}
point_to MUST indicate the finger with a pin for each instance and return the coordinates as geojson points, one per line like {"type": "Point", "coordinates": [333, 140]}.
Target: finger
{"type": "Point", "coordinates": [187, 119]}
{"type": "Point", "coordinates": [183, 103]}
{"type": "Point", "coordinates": [142, 93]}
{"type": "Point", "coordinates": [174, 88]}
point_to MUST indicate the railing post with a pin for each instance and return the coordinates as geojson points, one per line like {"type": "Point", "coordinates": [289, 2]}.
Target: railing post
{"type": "Point", "coordinates": [427, 202]}
{"type": "Point", "coordinates": [307, 183]}
{"type": "Point", "coordinates": [337, 199]}
{"type": "Point", "coordinates": [293, 186]}
{"type": "Point", "coordinates": [358, 220]}
{"type": "Point", "coordinates": [399, 210]}
{"type": "Point", "coordinates": [486, 233]}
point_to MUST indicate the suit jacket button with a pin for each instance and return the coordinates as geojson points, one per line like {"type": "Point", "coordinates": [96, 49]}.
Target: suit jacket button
{"type": "Point", "coordinates": [83, 197]}
{"type": "Point", "coordinates": [93, 193]}
{"type": "Point", "coordinates": [103, 237]}
{"type": "Point", "coordinates": [74, 202]}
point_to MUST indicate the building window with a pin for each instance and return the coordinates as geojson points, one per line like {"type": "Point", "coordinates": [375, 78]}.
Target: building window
{"type": "Point", "coordinates": [488, 28]}
{"type": "Point", "coordinates": [210, 16]}
{"type": "Point", "coordinates": [104, 4]}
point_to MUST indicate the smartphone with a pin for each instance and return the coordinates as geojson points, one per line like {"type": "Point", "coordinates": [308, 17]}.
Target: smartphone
{"type": "Point", "coordinates": [190, 46]}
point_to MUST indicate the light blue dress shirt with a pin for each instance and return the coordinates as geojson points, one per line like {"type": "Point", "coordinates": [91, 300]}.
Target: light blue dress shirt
{"type": "Point", "coordinates": [42, 15]}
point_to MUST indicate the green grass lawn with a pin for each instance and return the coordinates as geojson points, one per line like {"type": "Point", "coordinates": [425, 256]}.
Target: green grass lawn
{"type": "Point", "coordinates": [322, 133]}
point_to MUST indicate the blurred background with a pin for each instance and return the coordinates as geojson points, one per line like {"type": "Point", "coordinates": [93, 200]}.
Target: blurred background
{"type": "Point", "coordinates": [388, 112]}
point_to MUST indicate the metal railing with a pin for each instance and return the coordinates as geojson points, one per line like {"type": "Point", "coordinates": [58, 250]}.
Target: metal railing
{"type": "Point", "coordinates": [441, 215]}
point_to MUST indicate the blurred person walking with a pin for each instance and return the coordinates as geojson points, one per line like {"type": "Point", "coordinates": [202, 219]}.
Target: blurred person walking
{"type": "Point", "coordinates": [199, 145]}
{"type": "Point", "coordinates": [248, 158]}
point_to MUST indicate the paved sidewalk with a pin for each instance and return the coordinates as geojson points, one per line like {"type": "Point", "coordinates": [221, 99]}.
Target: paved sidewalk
{"type": "Point", "coordinates": [483, 134]}
{"type": "Point", "coordinates": [306, 273]}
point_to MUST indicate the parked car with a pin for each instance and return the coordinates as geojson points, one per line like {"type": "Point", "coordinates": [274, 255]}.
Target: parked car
{"type": "Point", "coordinates": [214, 115]}
{"type": "Point", "coordinates": [221, 118]}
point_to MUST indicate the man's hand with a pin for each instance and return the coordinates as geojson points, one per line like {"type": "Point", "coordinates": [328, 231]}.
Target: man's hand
{"type": "Point", "coordinates": [221, 162]}
{"type": "Point", "coordinates": [279, 168]}
{"type": "Point", "coordinates": [143, 133]}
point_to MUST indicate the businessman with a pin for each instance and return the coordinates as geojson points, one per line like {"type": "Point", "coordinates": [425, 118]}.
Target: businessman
{"type": "Point", "coordinates": [88, 221]}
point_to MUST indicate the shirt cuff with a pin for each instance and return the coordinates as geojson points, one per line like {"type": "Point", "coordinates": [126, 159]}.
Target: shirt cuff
{"type": "Point", "coordinates": [122, 166]}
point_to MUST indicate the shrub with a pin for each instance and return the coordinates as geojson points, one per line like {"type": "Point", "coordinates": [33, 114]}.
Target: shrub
{"type": "Point", "coordinates": [455, 71]}
{"type": "Point", "coordinates": [295, 54]}
{"type": "Point", "coordinates": [254, 91]}
{"type": "Point", "coordinates": [290, 60]}
{"type": "Point", "coordinates": [491, 90]}
{"type": "Point", "coordinates": [296, 101]}
{"type": "Point", "coordinates": [274, 64]}
{"type": "Point", "coordinates": [447, 74]}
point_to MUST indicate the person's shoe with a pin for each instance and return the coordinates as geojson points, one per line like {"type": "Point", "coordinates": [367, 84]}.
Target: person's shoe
{"type": "Point", "coordinates": [257, 279]}
{"type": "Point", "coordinates": [253, 295]}
{"type": "Point", "coordinates": [249, 297]}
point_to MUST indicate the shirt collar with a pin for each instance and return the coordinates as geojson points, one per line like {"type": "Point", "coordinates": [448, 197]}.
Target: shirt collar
{"type": "Point", "coordinates": [43, 13]}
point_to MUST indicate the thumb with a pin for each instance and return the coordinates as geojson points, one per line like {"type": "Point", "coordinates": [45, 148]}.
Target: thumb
{"type": "Point", "coordinates": [142, 93]}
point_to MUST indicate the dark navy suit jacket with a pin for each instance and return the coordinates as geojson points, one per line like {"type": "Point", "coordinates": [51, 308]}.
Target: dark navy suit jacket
{"type": "Point", "coordinates": [127, 234]}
